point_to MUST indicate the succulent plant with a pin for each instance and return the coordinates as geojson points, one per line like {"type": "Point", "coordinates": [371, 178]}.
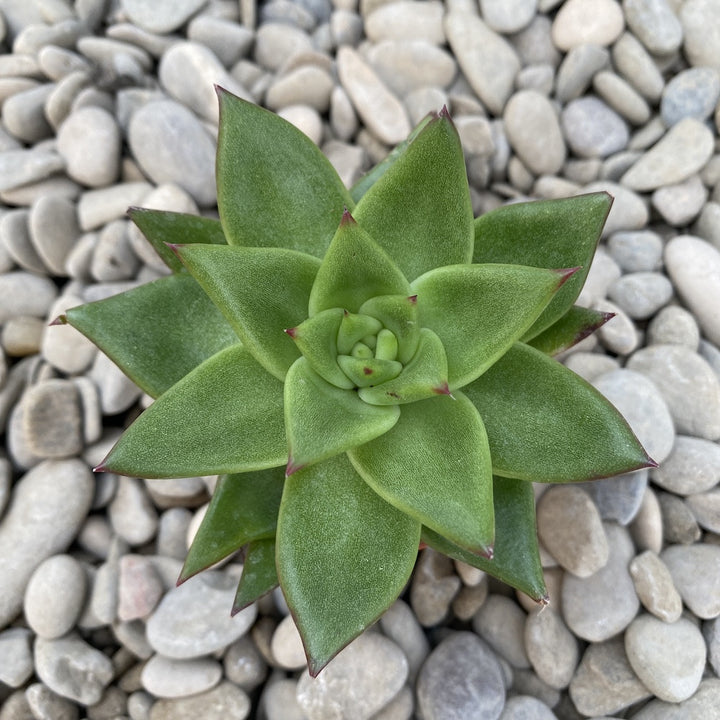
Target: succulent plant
{"type": "Point", "coordinates": [367, 370]}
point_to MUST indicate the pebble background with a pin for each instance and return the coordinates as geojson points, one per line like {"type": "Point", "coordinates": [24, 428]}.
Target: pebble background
{"type": "Point", "coordinates": [108, 103]}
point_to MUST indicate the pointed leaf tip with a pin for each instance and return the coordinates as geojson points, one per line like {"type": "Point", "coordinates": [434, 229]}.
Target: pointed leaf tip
{"type": "Point", "coordinates": [292, 332]}
{"type": "Point", "coordinates": [347, 218]}
{"type": "Point", "coordinates": [443, 389]}
{"type": "Point", "coordinates": [100, 468]}
{"type": "Point", "coordinates": [413, 299]}
{"type": "Point", "coordinates": [444, 112]}
{"type": "Point", "coordinates": [566, 273]}
{"type": "Point", "coordinates": [59, 320]}
{"type": "Point", "coordinates": [293, 467]}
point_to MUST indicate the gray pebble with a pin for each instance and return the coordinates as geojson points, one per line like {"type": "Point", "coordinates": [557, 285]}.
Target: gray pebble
{"type": "Point", "coordinates": [54, 596]}
{"type": "Point", "coordinates": [711, 633]}
{"type": "Point", "coordinates": [534, 43]}
{"type": "Point", "coordinates": [132, 636]}
{"type": "Point", "coordinates": [673, 325]}
{"type": "Point", "coordinates": [637, 66]}
{"type": "Point", "coordinates": [64, 347]}
{"type": "Point", "coordinates": [678, 522]}
{"type": "Point", "coordinates": [287, 12]}
{"type": "Point", "coordinates": [691, 93]}
{"type": "Point", "coordinates": [131, 513]}
{"type": "Point", "coordinates": [24, 116]}
{"type": "Point", "coordinates": [117, 391]}
{"type": "Point", "coordinates": [72, 668]}
{"type": "Point", "coordinates": [680, 204]}
{"type": "Point", "coordinates": [15, 238]}
{"type": "Point", "coordinates": [536, 77]}
{"type": "Point", "coordinates": [603, 272]}
{"type": "Point", "coordinates": [361, 680]}
{"type": "Point", "coordinates": [22, 335]}
{"type": "Point", "coordinates": [525, 707]}
{"type": "Point", "coordinates": [619, 334]}
{"type": "Point", "coordinates": [508, 17]}
{"type": "Point", "coordinates": [589, 365]}
{"type": "Point", "coordinates": [16, 707]}
{"type": "Point", "coordinates": [306, 85]}
{"type": "Point", "coordinates": [682, 152]}
{"type": "Point", "coordinates": [654, 586]}
{"type": "Point", "coordinates": [113, 258]}
{"type": "Point", "coordinates": [628, 211]}
{"type": "Point", "coordinates": [90, 127]}
{"type": "Point", "coordinates": [700, 706]}
{"type": "Point", "coordinates": [402, 627]}
{"type": "Point", "coordinates": [552, 649]}
{"type": "Point", "coordinates": [244, 665]}
{"type": "Point", "coordinates": [533, 130]}
{"type": "Point", "coordinates": [622, 97]}
{"type": "Point", "coordinates": [501, 623]}
{"type": "Point", "coordinates": [701, 47]}
{"type": "Point", "coordinates": [348, 160]}
{"type": "Point", "coordinates": [647, 527]}
{"type": "Point", "coordinates": [694, 267]}
{"type": "Point", "coordinates": [47, 705]}
{"type": "Point", "coordinates": [398, 20]}
{"type": "Point", "coordinates": [694, 572]}
{"type": "Point", "coordinates": [276, 43]}
{"type": "Point", "coordinates": [711, 355]}
{"type": "Point", "coordinates": [229, 41]}
{"type": "Point", "coordinates": [578, 69]}
{"type": "Point", "coordinates": [97, 207]}
{"type": "Point", "coordinates": [641, 294]}
{"type": "Point", "coordinates": [587, 21]}
{"type": "Point", "coordinates": [16, 660]}
{"type": "Point", "coordinates": [191, 164]}
{"type": "Point", "coordinates": [434, 585]}
{"type": "Point", "coordinates": [304, 118]}
{"type": "Point", "coordinates": [654, 24]}
{"type": "Point", "coordinates": [605, 682]}
{"type": "Point", "coordinates": [687, 383]}
{"type": "Point", "coordinates": [618, 498]}
{"type": "Point", "coordinates": [669, 658]}
{"type": "Point", "coordinates": [639, 251]}
{"type": "Point", "coordinates": [224, 702]}
{"type": "Point", "coordinates": [707, 226]}
{"type": "Point", "coordinates": [24, 293]}
{"type": "Point", "coordinates": [706, 509]}
{"type": "Point", "coordinates": [570, 529]}
{"type": "Point", "coordinates": [49, 504]}
{"type": "Point", "coordinates": [488, 61]}
{"type": "Point", "coordinates": [603, 604]}
{"type": "Point", "coordinates": [481, 694]}
{"type": "Point", "coordinates": [164, 16]}
{"type": "Point", "coordinates": [170, 678]}
{"type": "Point", "coordinates": [54, 231]}
{"type": "Point", "coordinates": [380, 110]}
{"type": "Point", "coordinates": [194, 618]}
{"type": "Point", "coordinates": [279, 701]}
{"type": "Point", "coordinates": [57, 63]}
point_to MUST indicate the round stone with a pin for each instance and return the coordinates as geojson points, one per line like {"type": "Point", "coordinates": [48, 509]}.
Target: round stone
{"type": "Point", "coordinates": [54, 231]}
{"type": "Point", "coordinates": [701, 44]}
{"type": "Point", "coordinates": [641, 294]}
{"type": "Point", "coordinates": [224, 702]}
{"type": "Point", "coordinates": [508, 17]}
{"type": "Point", "coordinates": [654, 586]}
{"type": "Point", "coordinates": [403, 19]}
{"type": "Point", "coordinates": [570, 529]}
{"type": "Point", "coordinates": [305, 85]}
{"type": "Point", "coordinates": [533, 130]}
{"type": "Point", "coordinates": [276, 43]}
{"type": "Point", "coordinates": [551, 647]}
{"type": "Point", "coordinates": [139, 588]}
{"type": "Point", "coordinates": [132, 514]}
{"type": "Point", "coordinates": [578, 69]}
{"type": "Point", "coordinates": [16, 660]}
{"type": "Point", "coordinates": [701, 705]}
{"type": "Point", "coordinates": [46, 704]}
{"type": "Point", "coordinates": [90, 127]}
{"type": "Point", "coordinates": [695, 570]}
{"type": "Point", "coordinates": [669, 658]}
{"type": "Point", "coordinates": [54, 596]}
{"type": "Point", "coordinates": [286, 645]}
{"type": "Point", "coordinates": [434, 585]}
{"type": "Point", "coordinates": [360, 681]}
{"type": "Point", "coordinates": [674, 325]}
{"type": "Point", "coordinates": [481, 694]}
{"type": "Point", "coordinates": [163, 16]}
{"type": "Point", "coordinates": [618, 498]}
{"type": "Point", "coordinates": [526, 707]}
{"type": "Point", "coordinates": [639, 251]}
{"type": "Point", "coordinates": [690, 93]}
{"type": "Point", "coordinates": [680, 204]}
{"type": "Point", "coordinates": [578, 22]}
{"type": "Point", "coordinates": [655, 24]}
{"type": "Point", "coordinates": [24, 293]}
{"type": "Point", "coordinates": [171, 678]}
{"type": "Point", "coordinates": [402, 627]}
{"type": "Point", "coordinates": [500, 621]}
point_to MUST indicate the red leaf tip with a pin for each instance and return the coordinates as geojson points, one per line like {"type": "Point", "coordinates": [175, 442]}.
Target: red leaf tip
{"type": "Point", "coordinates": [444, 113]}
{"type": "Point", "coordinates": [292, 332]}
{"type": "Point", "coordinates": [293, 467]}
{"type": "Point", "coordinates": [413, 299]}
{"type": "Point", "coordinates": [566, 273]}
{"type": "Point", "coordinates": [59, 320]}
{"type": "Point", "coordinates": [488, 553]}
{"type": "Point", "coordinates": [443, 389]}
{"type": "Point", "coordinates": [99, 468]}
{"type": "Point", "coordinates": [347, 218]}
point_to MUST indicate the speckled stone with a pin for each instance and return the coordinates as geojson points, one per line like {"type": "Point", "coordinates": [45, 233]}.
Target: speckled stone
{"type": "Point", "coordinates": [654, 586]}
{"type": "Point", "coordinates": [695, 570]}
{"type": "Point", "coordinates": [692, 467]}
{"type": "Point", "coordinates": [552, 649]}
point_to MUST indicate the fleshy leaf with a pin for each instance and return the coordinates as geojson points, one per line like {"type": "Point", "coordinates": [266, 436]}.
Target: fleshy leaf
{"type": "Point", "coordinates": [275, 186]}
{"type": "Point", "coordinates": [368, 371]}
{"type": "Point", "coordinates": [353, 328]}
{"type": "Point", "coordinates": [354, 269]}
{"type": "Point", "coordinates": [343, 556]}
{"type": "Point", "coordinates": [423, 377]}
{"type": "Point", "coordinates": [226, 416]}
{"type": "Point", "coordinates": [261, 292]}
{"type": "Point", "coordinates": [478, 311]}
{"type": "Point", "coordinates": [419, 211]}
{"type": "Point", "coordinates": [243, 508]}
{"type": "Point", "coordinates": [259, 575]}
{"type": "Point", "coordinates": [546, 424]}
{"type": "Point", "coordinates": [156, 333]}
{"type": "Point", "coordinates": [371, 177]}
{"type": "Point", "coordinates": [316, 338]}
{"type": "Point", "coordinates": [398, 313]}
{"type": "Point", "coordinates": [516, 558]}
{"type": "Point", "coordinates": [163, 228]}
{"type": "Point", "coordinates": [545, 233]}
{"type": "Point", "coordinates": [322, 420]}
{"type": "Point", "coordinates": [575, 325]}
{"type": "Point", "coordinates": [435, 466]}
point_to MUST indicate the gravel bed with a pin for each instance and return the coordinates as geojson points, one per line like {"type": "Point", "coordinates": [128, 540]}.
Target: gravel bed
{"type": "Point", "coordinates": [108, 103]}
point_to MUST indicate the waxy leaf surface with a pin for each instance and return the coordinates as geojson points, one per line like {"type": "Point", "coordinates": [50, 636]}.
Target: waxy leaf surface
{"type": "Point", "coordinates": [435, 466]}
{"type": "Point", "coordinates": [516, 559]}
{"type": "Point", "coordinates": [156, 333]}
{"type": "Point", "coordinates": [354, 270]}
{"type": "Point", "coordinates": [343, 555]}
{"type": "Point", "coordinates": [545, 233]}
{"type": "Point", "coordinates": [322, 420]}
{"type": "Point", "coordinates": [261, 292]}
{"type": "Point", "coordinates": [478, 311]}
{"type": "Point", "coordinates": [243, 508]}
{"type": "Point", "coordinates": [575, 325]}
{"type": "Point", "coordinates": [163, 228]}
{"type": "Point", "coordinates": [259, 575]}
{"type": "Point", "coordinates": [226, 416]}
{"type": "Point", "coordinates": [275, 186]}
{"type": "Point", "coordinates": [419, 210]}
{"type": "Point", "coordinates": [546, 424]}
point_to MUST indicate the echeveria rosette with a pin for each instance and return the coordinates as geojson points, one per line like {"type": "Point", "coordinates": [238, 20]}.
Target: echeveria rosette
{"type": "Point", "coordinates": [366, 370]}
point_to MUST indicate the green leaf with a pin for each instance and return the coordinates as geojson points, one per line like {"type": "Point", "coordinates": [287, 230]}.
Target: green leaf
{"type": "Point", "coordinates": [546, 424]}
{"type": "Point", "coordinates": [370, 178]}
{"type": "Point", "coordinates": [545, 233]}
{"type": "Point", "coordinates": [156, 333]}
{"type": "Point", "coordinates": [163, 228]}
{"type": "Point", "coordinates": [368, 371]}
{"type": "Point", "coordinates": [322, 420]}
{"type": "Point", "coordinates": [353, 328]}
{"type": "Point", "coordinates": [259, 575]}
{"type": "Point", "coordinates": [261, 292]}
{"type": "Point", "coordinates": [244, 507]}
{"type": "Point", "coordinates": [435, 466]}
{"type": "Point", "coordinates": [355, 268]}
{"type": "Point", "coordinates": [478, 311]}
{"type": "Point", "coordinates": [398, 313]}
{"type": "Point", "coordinates": [343, 556]}
{"type": "Point", "coordinates": [575, 325]}
{"type": "Point", "coordinates": [226, 416]}
{"type": "Point", "coordinates": [316, 338]}
{"type": "Point", "coordinates": [516, 560]}
{"type": "Point", "coordinates": [419, 210]}
{"type": "Point", "coordinates": [275, 186]}
{"type": "Point", "coordinates": [425, 376]}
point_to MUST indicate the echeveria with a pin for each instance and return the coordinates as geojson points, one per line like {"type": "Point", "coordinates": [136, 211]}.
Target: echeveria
{"type": "Point", "coordinates": [367, 370]}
